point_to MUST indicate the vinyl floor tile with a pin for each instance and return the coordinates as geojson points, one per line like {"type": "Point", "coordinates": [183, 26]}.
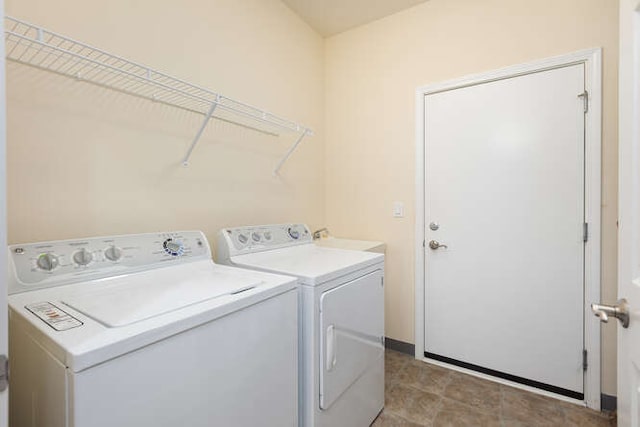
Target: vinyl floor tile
{"type": "Point", "coordinates": [456, 414]}
{"type": "Point", "coordinates": [419, 394]}
{"type": "Point", "coordinates": [481, 394]}
{"type": "Point", "coordinates": [389, 420]}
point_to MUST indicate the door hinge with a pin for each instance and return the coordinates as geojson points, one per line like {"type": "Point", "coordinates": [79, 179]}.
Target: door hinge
{"type": "Point", "coordinates": [585, 98]}
{"type": "Point", "coordinates": [382, 282]}
{"type": "Point", "coordinates": [585, 364]}
{"type": "Point", "coordinates": [585, 232]}
{"type": "Point", "coordinates": [4, 372]}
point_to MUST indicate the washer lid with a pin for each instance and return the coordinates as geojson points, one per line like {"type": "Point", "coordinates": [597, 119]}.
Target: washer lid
{"type": "Point", "coordinates": [124, 300]}
{"type": "Point", "coordinates": [312, 264]}
{"type": "Point", "coordinates": [142, 306]}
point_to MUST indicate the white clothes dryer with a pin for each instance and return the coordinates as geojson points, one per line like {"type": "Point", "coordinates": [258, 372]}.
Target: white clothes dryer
{"type": "Point", "coordinates": [146, 331]}
{"type": "Point", "coordinates": [342, 318]}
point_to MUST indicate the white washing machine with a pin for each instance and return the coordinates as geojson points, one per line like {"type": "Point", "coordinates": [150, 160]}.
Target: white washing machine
{"type": "Point", "coordinates": [145, 330]}
{"type": "Point", "coordinates": [342, 318]}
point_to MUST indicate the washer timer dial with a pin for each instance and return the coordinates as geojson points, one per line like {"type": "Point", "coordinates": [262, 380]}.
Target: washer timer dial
{"type": "Point", "coordinates": [173, 247]}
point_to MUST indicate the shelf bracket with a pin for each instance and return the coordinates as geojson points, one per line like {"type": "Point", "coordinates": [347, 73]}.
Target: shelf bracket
{"type": "Point", "coordinates": [291, 150]}
{"type": "Point", "coordinates": [185, 161]}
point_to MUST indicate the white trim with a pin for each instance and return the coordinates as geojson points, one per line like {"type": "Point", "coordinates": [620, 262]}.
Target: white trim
{"type": "Point", "coordinates": [4, 320]}
{"type": "Point", "coordinates": [592, 58]}
{"type": "Point", "coordinates": [628, 201]}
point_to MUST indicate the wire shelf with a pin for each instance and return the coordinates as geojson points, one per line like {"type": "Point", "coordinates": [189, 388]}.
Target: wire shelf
{"type": "Point", "coordinates": [34, 46]}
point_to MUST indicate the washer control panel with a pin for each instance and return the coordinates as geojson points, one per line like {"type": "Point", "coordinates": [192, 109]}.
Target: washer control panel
{"type": "Point", "coordinates": [242, 240]}
{"type": "Point", "coordinates": [37, 265]}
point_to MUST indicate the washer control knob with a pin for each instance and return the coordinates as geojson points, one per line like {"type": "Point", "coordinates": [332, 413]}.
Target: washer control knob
{"type": "Point", "coordinates": [256, 237]}
{"type": "Point", "coordinates": [82, 257]}
{"type": "Point", "coordinates": [267, 235]}
{"type": "Point", "coordinates": [47, 262]}
{"type": "Point", "coordinates": [242, 238]}
{"type": "Point", "coordinates": [294, 233]}
{"type": "Point", "coordinates": [113, 253]}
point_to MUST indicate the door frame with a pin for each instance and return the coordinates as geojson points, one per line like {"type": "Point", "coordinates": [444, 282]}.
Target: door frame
{"type": "Point", "coordinates": [4, 319]}
{"type": "Point", "coordinates": [592, 59]}
{"type": "Point", "coordinates": [628, 185]}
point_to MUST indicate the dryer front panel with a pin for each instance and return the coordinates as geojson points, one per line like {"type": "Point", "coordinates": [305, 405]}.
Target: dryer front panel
{"type": "Point", "coordinates": [352, 334]}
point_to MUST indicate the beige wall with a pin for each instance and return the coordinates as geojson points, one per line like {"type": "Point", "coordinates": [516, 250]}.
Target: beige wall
{"type": "Point", "coordinates": [372, 73]}
{"type": "Point", "coordinates": [85, 161]}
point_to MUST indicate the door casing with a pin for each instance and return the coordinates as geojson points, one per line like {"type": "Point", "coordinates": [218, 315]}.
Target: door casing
{"type": "Point", "coordinates": [4, 319]}
{"type": "Point", "coordinates": [592, 59]}
{"type": "Point", "coordinates": [628, 202]}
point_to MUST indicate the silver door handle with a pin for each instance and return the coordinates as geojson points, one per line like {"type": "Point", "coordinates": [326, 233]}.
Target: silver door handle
{"type": "Point", "coordinates": [434, 244]}
{"type": "Point", "coordinates": [620, 311]}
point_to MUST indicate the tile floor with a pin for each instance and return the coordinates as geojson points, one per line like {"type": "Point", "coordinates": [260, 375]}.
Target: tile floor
{"type": "Point", "coordinates": [421, 394]}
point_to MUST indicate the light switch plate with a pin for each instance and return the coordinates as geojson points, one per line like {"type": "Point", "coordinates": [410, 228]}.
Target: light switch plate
{"type": "Point", "coordinates": [398, 210]}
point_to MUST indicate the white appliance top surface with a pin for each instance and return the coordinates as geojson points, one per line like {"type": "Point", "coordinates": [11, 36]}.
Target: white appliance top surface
{"type": "Point", "coordinates": [351, 244]}
{"type": "Point", "coordinates": [120, 314]}
{"type": "Point", "coordinates": [312, 264]}
{"type": "Point", "coordinates": [120, 301]}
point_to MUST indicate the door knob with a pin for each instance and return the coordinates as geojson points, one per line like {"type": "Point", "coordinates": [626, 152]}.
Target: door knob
{"type": "Point", "coordinates": [620, 311]}
{"type": "Point", "coordinates": [434, 244]}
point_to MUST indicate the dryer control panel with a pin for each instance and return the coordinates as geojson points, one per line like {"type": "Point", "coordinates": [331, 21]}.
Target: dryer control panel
{"type": "Point", "coordinates": [47, 264]}
{"type": "Point", "coordinates": [244, 240]}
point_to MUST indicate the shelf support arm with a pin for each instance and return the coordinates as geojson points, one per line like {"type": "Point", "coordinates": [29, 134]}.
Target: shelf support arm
{"type": "Point", "coordinates": [290, 152]}
{"type": "Point", "coordinates": [185, 161]}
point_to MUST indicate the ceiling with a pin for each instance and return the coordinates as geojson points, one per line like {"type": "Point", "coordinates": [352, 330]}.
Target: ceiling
{"type": "Point", "coordinates": [330, 17]}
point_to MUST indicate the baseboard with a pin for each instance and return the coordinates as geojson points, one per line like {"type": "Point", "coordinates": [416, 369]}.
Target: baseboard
{"type": "Point", "coordinates": [608, 403]}
{"type": "Point", "coordinates": [400, 346]}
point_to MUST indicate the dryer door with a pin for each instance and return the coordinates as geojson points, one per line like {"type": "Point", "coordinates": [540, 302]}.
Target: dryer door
{"type": "Point", "coordinates": [352, 331]}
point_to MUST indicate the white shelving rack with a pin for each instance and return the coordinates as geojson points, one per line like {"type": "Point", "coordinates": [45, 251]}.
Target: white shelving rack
{"type": "Point", "coordinates": [34, 46]}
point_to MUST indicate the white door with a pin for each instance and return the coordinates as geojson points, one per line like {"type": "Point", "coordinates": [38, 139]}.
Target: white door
{"type": "Point", "coordinates": [352, 331]}
{"type": "Point", "coordinates": [3, 228]}
{"type": "Point", "coordinates": [504, 191]}
{"type": "Point", "coordinates": [629, 206]}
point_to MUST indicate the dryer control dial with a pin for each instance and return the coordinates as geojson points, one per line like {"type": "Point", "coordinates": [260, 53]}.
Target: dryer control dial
{"type": "Point", "coordinates": [47, 262]}
{"type": "Point", "coordinates": [243, 239]}
{"type": "Point", "coordinates": [256, 237]}
{"type": "Point", "coordinates": [294, 233]}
